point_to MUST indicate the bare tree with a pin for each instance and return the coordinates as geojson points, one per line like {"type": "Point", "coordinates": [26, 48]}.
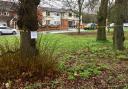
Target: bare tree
{"type": "Point", "coordinates": [76, 7]}
{"type": "Point", "coordinates": [79, 6]}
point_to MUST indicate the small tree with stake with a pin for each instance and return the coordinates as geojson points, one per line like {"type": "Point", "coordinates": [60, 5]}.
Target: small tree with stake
{"type": "Point", "coordinates": [27, 22]}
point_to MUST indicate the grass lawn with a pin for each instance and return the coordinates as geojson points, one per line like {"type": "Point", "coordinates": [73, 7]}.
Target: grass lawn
{"type": "Point", "coordinates": [84, 62]}
{"type": "Point", "coordinates": [73, 43]}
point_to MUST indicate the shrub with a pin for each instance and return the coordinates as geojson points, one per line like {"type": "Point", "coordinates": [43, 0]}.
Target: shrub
{"type": "Point", "coordinates": [12, 66]}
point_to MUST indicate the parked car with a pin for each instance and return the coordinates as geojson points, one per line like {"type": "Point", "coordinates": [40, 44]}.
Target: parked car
{"type": "Point", "coordinates": [125, 24]}
{"type": "Point", "coordinates": [90, 26]}
{"type": "Point", "coordinates": [7, 30]}
{"type": "Point", "coordinates": [113, 24]}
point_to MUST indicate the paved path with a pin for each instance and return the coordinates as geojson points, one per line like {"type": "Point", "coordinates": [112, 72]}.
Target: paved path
{"type": "Point", "coordinates": [62, 31]}
{"type": "Point", "coordinates": [56, 31]}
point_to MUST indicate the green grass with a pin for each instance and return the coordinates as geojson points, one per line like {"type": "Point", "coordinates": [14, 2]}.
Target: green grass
{"type": "Point", "coordinates": [66, 43]}
{"type": "Point", "coordinates": [70, 43]}
{"type": "Point", "coordinates": [8, 38]}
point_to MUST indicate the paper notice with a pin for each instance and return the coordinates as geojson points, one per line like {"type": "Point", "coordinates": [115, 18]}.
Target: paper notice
{"type": "Point", "coordinates": [33, 34]}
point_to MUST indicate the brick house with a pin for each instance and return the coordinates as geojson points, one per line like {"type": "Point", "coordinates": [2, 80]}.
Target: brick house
{"type": "Point", "coordinates": [8, 13]}
{"type": "Point", "coordinates": [60, 19]}
{"type": "Point", "coordinates": [48, 18]}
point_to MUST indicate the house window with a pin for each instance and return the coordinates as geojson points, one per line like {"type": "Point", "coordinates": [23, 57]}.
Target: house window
{"type": "Point", "coordinates": [47, 22]}
{"type": "Point", "coordinates": [62, 14]}
{"type": "Point", "coordinates": [1, 13]}
{"type": "Point", "coordinates": [57, 22]}
{"type": "Point", "coordinates": [76, 15]}
{"type": "Point", "coordinates": [5, 13]}
{"type": "Point", "coordinates": [48, 13]}
{"type": "Point", "coordinates": [57, 14]}
{"type": "Point", "coordinates": [70, 14]}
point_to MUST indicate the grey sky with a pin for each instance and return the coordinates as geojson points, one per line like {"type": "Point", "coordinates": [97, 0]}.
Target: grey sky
{"type": "Point", "coordinates": [58, 4]}
{"type": "Point", "coordinates": [51, 3]}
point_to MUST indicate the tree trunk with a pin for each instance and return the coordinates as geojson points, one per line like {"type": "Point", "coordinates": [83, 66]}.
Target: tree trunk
{"type": "Point", "coordinates": [28, 45]}
{"type": "Point", "coordinates": [118, 35]}
{"type": "Point", "coordinates": [102, 16]}
{"type": "Point", "coordinates": [28, 22]}
{"type": "Point", "coordinates": [79, 24]}
{"type": "Point", "coordinates": [79, 13]}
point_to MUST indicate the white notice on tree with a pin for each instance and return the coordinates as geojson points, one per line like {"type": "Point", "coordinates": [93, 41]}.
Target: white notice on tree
{"type": "Point", "coordinates": [33, 34]}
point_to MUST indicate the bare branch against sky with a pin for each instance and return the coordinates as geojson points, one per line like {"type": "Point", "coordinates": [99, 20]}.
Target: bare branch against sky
{"type": "Point", "coordinates": [51, 3]}
{"type": "Point", "coordinates": [87, 5]}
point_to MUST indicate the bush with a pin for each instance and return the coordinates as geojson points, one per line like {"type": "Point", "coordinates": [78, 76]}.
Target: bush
{"type": "Point", "coordinates": [12, 66]}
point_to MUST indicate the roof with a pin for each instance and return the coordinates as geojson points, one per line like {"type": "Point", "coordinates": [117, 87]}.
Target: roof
{"type": "Point", "coordinates": [53, 9]}
{"type": "Point", "coordinates": [8, 6]}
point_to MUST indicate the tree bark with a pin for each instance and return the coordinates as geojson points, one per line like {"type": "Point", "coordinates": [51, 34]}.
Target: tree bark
{"type": "Point", "coordinates": [80, 13]}
{"type": "Point", "coordinates": [79, 24]}
{"type": "Point", "coordinates": [28, 45]}
{"type": "Point", "coordinates": [102, 16]}
{"type": "Point", "coordinates": [28, 22]}
{"type": "Point", "coordinates": [118, 35]}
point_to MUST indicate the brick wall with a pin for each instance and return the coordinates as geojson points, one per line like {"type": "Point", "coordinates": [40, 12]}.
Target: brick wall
{"type": "Point", "coordinates": [64, 24]}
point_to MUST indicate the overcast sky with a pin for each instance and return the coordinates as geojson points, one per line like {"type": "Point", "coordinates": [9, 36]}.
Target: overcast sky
{"type": "Point", "coordinates": [51, 3]}
{"type": "Point", "coordinates": [58, 4]}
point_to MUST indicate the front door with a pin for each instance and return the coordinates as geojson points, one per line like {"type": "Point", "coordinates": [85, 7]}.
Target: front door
{"type": "Point", "coordinates": [70, 23]}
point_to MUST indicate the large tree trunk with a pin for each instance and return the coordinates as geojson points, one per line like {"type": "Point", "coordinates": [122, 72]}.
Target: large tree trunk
{"type": "Point", "coordinates": [102, 15]}
{"type": "Point", "coordinates": [28, 45]}
{"type": "Point", "coordinates": [118, 35]}
{"type": "Point", "coordinates": [27, 22]}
